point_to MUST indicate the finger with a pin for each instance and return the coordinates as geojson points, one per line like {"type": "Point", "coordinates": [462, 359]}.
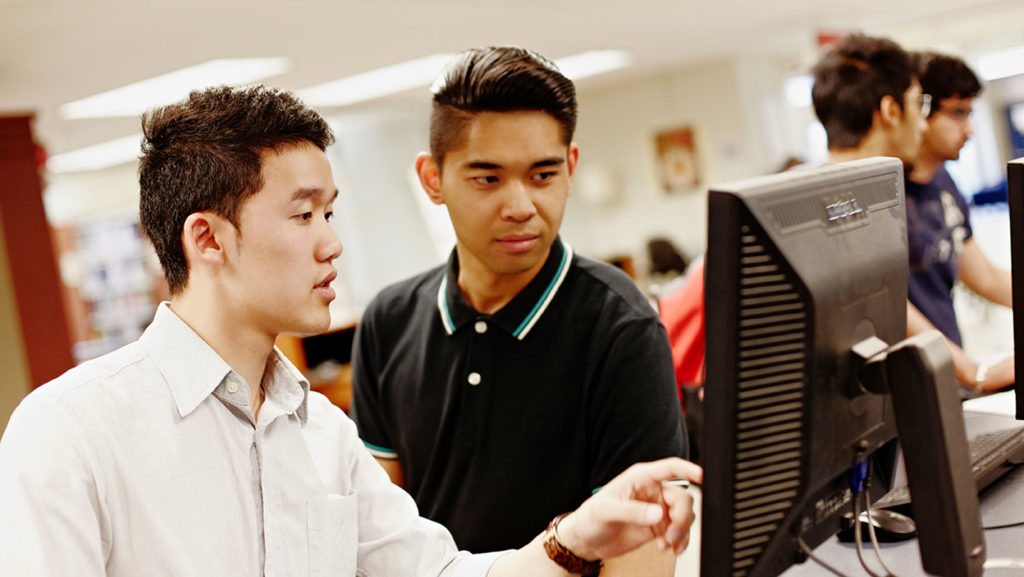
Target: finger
{"type": "Point", "coordinates": [681, 516]}
{"type": "Point", "coordinates": [630, 512]}
{"type": "Point", "coordinates": [669, 468]}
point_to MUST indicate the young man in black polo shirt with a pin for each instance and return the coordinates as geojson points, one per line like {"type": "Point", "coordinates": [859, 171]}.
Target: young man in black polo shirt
{"type": "Point", "coordinates": [508, 385]}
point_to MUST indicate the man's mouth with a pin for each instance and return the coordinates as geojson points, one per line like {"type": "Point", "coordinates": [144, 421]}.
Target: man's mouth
{"type": "Point", "coordinates": [324, 288]}
{"type": "Point", "coordinates": [518, 242]}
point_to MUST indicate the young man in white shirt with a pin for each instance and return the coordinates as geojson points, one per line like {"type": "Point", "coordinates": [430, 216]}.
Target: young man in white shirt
{"type": "Point", "coordinates": [199, 449]}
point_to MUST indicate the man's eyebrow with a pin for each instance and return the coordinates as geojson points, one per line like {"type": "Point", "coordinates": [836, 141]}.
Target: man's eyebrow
{"type": "Point", "coordinates": [481, 164]}
{"type": "Point", "coordinates": [304, 193]}
{"type": "Point", "coordinates": [557, 161]}
{"type": "Point", "coordinates": [487, 165]}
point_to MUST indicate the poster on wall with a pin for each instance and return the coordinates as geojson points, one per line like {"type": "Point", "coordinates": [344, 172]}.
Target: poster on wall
{"type": "Point", "coordinates": [678, 169]}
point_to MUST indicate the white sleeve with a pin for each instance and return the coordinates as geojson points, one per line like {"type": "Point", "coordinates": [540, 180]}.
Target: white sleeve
{"type": "Point", "coordinates": [393, 538]}
{"type": "Point", "coordinates": [49, 499]}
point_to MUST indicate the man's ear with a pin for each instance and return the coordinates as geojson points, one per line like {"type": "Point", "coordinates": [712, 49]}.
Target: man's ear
{"type": "Point", "coordinates": [890, 110]}
{"type": "Point", "coordinates": [199, 237]}
{"type": "Point", "coordinates": [429, 173]}
{"type": "Point", "coordinates": [572, 159]}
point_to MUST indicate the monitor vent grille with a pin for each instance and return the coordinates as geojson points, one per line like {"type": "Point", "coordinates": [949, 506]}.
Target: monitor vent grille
{"type": "Point", "coordinates": [884, 192]}
{"type": "Point", "coordinates": [773, 364]}
{"type": "Point", "coordinates": [795, 214]}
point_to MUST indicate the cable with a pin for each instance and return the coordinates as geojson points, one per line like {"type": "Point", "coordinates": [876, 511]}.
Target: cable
{"type": "Point", "coordinates": [857, 538]}
{"type": "Point", "coordinates": [1005, 526]}
{"type": "Point", "coordinates": [874, 539]}
{"type": "Point", "coordinates": [871, 526]}
{"type": "Point", "coordinates": [810, 555]}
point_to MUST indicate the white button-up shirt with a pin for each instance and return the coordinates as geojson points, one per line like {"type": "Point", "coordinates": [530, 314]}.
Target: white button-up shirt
{"type": "Point", "coordinates": [147, 462]}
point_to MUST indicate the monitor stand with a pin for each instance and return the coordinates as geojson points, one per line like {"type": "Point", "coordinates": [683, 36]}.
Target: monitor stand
{"type": "Point", "coordinates": [930, 420]}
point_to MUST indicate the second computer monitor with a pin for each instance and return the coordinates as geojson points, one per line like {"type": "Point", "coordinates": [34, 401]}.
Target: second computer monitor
{"type": "Point", "coordinates": [805, 282]}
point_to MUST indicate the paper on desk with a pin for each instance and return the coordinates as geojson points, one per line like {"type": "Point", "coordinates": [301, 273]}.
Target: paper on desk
{"type": "Point", "coordinates": [1004, 403]}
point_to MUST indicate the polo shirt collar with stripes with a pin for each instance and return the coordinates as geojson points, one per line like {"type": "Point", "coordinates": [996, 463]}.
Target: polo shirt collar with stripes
{"type": "Point", "coordinates": [520, 315]}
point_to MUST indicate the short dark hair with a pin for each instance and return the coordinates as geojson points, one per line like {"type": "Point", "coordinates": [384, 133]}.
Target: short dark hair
{"type": "Point", "coordinates": [497, 79]}
{"type": "Point", "coordinates": [204, 154]}
{"type": "Point", "coordinates": [944, 76]}
{"type": "Point", "coordinates": [850, 81]}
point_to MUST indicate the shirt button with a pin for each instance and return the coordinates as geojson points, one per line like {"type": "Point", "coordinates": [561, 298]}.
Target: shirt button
{"type": "Point", "coordinates": [232, 387]}
{"type": "Point", "coordinates": [480, 327]}
{"type": "Point", "coordinates": [474, 379]}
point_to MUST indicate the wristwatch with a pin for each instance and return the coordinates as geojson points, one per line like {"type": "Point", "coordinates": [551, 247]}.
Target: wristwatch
{"type": "Point", "coordinates": [565, 558]}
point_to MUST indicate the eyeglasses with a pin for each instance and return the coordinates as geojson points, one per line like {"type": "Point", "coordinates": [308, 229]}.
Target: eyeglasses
{"type": "Point", "coordinates": [957, 113]}
{"type": "Point", "coordinates": [926, 105]}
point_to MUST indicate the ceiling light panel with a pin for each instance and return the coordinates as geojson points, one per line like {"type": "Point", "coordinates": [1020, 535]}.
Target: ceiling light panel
{"type": "Point", "coordinates": [376, 83]}
{"type": "Point", "coordinates": [134, 99]}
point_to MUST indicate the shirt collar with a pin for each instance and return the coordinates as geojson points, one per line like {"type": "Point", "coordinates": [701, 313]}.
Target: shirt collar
{"type": "Point", "coordinates": [193, 370]}
{"type": "Point", "coordinates": [520, 315]}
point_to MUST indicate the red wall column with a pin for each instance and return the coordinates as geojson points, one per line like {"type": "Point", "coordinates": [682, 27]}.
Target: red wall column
{"type": "Point", "coordinates": [30, 253]}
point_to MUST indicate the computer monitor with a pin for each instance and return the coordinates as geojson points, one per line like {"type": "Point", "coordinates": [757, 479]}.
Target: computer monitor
{"type": "Point", "coordinates": [1015, 198]}
{"type": "Point", "coordinates": [802, 269]}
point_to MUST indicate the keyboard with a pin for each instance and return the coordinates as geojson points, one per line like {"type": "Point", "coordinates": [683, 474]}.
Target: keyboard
{"type": "Point", "coordinates": [992, 456]}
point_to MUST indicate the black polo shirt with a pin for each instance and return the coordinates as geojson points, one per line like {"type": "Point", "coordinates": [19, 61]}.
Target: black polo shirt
{"type": "Point", "coordinates": [502, 421]}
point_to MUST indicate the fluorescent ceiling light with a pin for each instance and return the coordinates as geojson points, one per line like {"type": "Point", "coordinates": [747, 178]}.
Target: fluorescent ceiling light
{"type": "Point", "coordinates": [376, 83]}
{"type": "Point", "coordinates": [134, 99]}
{"type": "Point", "coordinates": [593, 63]}
{"type": "Point", "coordinates": [98, 156]}
{"type": "Point", "coordinates": [424, 71]}
{"type": "Point", "coordinates": [1001, 64]}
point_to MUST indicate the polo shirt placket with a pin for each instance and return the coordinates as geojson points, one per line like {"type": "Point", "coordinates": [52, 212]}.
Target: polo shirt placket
{"type": "Point", "coordinates": [478, 334]}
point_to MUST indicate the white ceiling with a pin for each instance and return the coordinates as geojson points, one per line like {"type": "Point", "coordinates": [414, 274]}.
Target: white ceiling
{"type": "Point", "coordinates": [56, 51]}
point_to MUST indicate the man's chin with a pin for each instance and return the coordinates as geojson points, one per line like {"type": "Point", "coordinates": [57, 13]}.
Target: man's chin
{"type": "Point", "coordinates": [312, 327]}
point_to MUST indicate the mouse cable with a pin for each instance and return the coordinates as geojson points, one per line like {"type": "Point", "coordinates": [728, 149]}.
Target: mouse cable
{"type": "Point", "coordinates": [871, 526]}
{"type": "Point", "coordinates": [810, 555]}
{"type": "Point", "coordinates": [857, 538]}
{"type": "Point", "coordinates": [1005, 526]}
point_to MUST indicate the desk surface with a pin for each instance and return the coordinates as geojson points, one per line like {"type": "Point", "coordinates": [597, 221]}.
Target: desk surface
{"type": "Point", "coordinates": [1001, 503]}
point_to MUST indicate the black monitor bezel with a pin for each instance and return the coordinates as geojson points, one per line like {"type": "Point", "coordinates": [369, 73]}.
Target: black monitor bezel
{"type": "Point", "coordinates": [1015, 202]}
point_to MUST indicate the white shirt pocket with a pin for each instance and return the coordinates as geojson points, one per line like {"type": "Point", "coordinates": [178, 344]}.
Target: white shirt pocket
{"type": "Point", "coordinates": [332, 526]}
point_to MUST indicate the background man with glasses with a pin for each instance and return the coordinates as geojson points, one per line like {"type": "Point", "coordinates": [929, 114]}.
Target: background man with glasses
{"type": "Point", "coordinates": [942, 248]}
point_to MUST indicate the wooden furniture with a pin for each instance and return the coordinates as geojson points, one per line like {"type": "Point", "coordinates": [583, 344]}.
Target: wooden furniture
{"type": "Point", "coordinates": [325, 360]}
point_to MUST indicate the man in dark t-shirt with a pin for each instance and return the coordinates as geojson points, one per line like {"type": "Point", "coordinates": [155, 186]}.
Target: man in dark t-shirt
{"type": "Point", "coordinates": [937, 229]}
{"type": "Point", "coordinates": [942, 248]}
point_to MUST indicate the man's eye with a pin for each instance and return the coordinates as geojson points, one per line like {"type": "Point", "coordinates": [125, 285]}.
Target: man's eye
{"type": "Point", "coordinates": [329, 216]}
{"type": "Point", "coordinates": [485, 179]}
{"type": "Point", "coordinates": [306, 216]}
{"type": "Point", "coordinates": [544, 175]}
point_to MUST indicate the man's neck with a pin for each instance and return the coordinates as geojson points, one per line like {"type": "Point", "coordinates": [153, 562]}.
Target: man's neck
{"type": "Point", "coordinates": [925, 167]}
{"type": "Point", "coordinates": [872, 145]}
{"type": "Point", "coordinates": [487, 291]}
{"type": "Point", "coordinates": [247, 352]}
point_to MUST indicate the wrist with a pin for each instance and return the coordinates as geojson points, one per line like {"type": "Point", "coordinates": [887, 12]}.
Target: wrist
{"type": "Point", "coordinates": [567, 534]}
{"type": "Point", "coordinates": [564, 546]}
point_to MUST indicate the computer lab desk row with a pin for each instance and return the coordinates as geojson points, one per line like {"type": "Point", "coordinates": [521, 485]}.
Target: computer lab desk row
{"type": "Point", "coordinates": [1002, 503]}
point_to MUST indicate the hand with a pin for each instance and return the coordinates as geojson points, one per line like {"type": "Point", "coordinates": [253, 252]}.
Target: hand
{"type": "Point", "coordinates": [998, 376]}
{"type": "Point", "coordinates": [635, 507]}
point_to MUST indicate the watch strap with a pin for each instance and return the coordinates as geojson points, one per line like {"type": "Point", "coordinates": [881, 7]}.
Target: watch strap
{"type": "Point", "coordinates": [563, 556]}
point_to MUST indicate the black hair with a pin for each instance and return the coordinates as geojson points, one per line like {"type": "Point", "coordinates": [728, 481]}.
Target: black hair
{"type": "Point", "coordinates": [943, 76]}
{"type": "Point", "coordinates": [497, 79]}
{"type": "Point", "coordinates": [204, 154]}
{"type": "Point", "coordinates": [850, 81]}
